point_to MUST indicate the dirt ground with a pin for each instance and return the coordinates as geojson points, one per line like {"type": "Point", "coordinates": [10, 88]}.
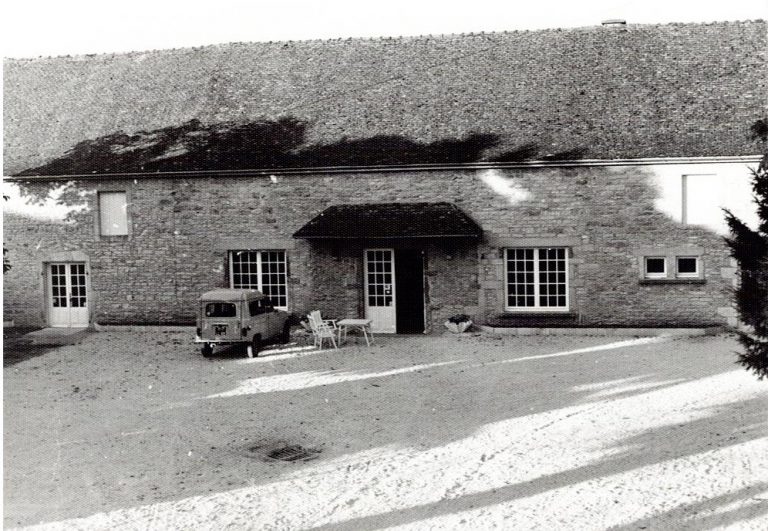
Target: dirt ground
{"type": "Point", "coordinates": [136, 430]}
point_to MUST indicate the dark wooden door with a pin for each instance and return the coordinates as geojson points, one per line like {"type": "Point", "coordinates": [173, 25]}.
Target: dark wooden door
{"type": "Point", "coordinates": [409, 279]}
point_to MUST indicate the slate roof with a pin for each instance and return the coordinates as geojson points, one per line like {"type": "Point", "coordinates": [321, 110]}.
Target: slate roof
{"type": "Point", "coordinates": [672, 90]}
{"type": "Point", "coordinates": [390, 220]}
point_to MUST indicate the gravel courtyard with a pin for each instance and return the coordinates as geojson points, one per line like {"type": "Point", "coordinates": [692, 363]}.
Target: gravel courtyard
{"type": "Point", "coordinates": [136, 430]}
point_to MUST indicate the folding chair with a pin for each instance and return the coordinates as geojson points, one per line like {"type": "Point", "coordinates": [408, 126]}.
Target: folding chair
{"type": "Point", "coordinates": [322, 329]}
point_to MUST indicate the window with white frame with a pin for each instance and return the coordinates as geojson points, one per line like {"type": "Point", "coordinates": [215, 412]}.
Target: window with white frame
{"type": "Point", "coordinates": [113, 214]}
{"type": "Point", "coordinates": [266, 271]}
{"type": "Point", "coordinates": [687, 267]}
{"type": "Point", "coordinates": [655, 267]}
{"type": "Point", "coordinates": [537, 279]}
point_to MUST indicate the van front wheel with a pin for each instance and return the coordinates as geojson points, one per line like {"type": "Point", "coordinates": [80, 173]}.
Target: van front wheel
{"type": "Point", "coordinates": [207, 349]}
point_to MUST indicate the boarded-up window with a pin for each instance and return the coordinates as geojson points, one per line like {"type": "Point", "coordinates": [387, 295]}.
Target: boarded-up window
{"type": "Point", "coordinates": [113, 214]}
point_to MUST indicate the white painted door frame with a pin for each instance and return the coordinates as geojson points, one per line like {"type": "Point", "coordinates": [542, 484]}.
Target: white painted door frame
{"type": "Point", "coordinates": [380, 289]}
{"type": "Point", "coordinates": [67, 294]}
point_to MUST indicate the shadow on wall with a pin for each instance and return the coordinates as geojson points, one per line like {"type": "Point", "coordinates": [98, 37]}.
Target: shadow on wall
{"type": "Point", "coordinates": [194, 146]}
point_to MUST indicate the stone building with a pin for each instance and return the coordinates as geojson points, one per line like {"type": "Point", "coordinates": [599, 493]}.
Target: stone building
{"type": "Point", "coordinates": [539, 178]}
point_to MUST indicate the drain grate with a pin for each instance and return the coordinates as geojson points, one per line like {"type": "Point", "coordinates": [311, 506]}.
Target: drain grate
{"type": "Point", "coordinates": [293, 453]}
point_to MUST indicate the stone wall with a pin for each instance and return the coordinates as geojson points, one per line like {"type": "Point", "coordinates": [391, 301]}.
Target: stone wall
{"type": "Point", "coordinates": [181, 229]}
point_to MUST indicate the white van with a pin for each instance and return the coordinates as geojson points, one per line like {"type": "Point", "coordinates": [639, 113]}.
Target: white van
{"type": "Point", "coordinates": [227, 316]}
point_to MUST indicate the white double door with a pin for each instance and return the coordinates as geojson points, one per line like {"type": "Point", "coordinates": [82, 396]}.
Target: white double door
{"type": "Point", "coordinates": [380, 291]}
{"type": "Point", "coordinates": [67, 295]}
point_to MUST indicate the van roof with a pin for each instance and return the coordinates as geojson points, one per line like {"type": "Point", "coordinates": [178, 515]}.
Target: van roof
{"type": "Point", "coordinates": [231, 295]}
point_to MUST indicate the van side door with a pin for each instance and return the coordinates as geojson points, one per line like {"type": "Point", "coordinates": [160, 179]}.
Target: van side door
{"type": "Point", "coordinates": [271, 318]}
{"type": "Point", "coordinates": [259, 319]}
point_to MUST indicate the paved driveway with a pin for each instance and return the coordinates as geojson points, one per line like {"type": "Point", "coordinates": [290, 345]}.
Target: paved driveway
{"type": "Point", "coordinates": [138, 431]}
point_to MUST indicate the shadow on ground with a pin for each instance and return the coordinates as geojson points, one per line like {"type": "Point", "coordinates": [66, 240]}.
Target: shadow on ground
{"type": "Point", "coordinates": [421, 410]}
{"type": "Point", "coordinates": [713, 512]}
{"type": "Point", "coordinates": [17, 348]}
{"type": "Point", "coordinates": [648, 448]}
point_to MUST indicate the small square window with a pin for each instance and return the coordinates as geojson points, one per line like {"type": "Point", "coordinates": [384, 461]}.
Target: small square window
{"type": "Point", "coordinates": [687, 267]}
{"type": "Point", "coordinates": [655, 267]}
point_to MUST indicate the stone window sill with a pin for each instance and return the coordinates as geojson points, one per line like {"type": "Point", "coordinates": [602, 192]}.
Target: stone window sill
{"type": "Point", "coordinates": [654, 281]}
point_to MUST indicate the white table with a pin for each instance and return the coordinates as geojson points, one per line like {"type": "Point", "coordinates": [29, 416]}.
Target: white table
{"type": "Point", "coordinates": [364, 325]}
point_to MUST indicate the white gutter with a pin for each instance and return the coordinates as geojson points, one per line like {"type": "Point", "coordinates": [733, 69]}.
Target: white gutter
{"type": "Point", "coordinates": [745, 159]}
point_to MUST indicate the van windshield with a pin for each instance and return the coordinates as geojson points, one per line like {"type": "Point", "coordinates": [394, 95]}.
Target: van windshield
{"type": "Point", "coordinates": [220, 309]}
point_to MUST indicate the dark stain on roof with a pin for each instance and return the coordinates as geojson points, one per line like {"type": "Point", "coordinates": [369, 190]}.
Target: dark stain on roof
{"type": "Point", "coordinates": [390, 220]}
{"type": "Point", "coordinates": [241, 146]}
{"type": "Point", "coordinates": [671, 90]}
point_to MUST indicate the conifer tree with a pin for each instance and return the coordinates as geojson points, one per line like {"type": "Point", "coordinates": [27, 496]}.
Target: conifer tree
{"type": "Point", "coordinates": [6, 262]}
{"type": "Point", "coordinates": [750, 249]}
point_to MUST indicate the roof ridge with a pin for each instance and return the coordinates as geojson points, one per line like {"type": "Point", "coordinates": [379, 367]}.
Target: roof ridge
{"type": "Point", "coordinates": [382, 38]}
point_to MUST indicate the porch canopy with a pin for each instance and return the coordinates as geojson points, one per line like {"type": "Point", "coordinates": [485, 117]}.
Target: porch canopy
{"type": "Point", "coordinates": [390, 220]}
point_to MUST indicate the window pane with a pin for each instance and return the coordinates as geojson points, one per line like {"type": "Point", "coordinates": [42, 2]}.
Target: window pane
{"type": "Point", "coordinates": [527, 289]}
{"type": "Point", "coordinates": [655, 265]}
{"type": "Point", "coordinates": [687, 265]}
{"type": "Point", "coordinates": [520, 277]}
{"type": "Point", "coordinates": [113, 213]}
{"type": "Point", "coordinates": [220, 309]}
{"type": "Point", "coordinates": [268, 275]}
{"type": "Point", "coordinates": [58, 286]}
{"type": "Point", "coordinates": [272, 278]}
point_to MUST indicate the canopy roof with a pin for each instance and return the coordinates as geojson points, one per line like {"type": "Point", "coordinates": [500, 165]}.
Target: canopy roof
{"type": "Point", "coordinates": [390, 220]}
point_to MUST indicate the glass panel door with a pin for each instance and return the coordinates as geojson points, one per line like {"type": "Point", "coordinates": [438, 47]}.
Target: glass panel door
{"type": "Point", "coordinates": [78, 300]}
{"type": "Point", "coordinates": [58, 310]}
{"type": "Point", "coordinates": [380, 289]}
{"type": "Point", "coordinates": [67, 297]}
